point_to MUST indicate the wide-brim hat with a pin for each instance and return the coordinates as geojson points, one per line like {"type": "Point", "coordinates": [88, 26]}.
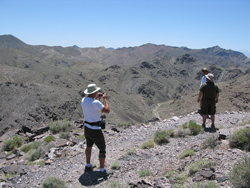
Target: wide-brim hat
{"type": "Point", "coordinates": [210, 76]}
{"type": "Point", "coordinates": [91, 89]}
{"type": "Point", "coordinates": [204, 69]}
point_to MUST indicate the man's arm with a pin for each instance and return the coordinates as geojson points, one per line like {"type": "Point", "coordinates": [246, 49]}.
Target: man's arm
{"type": "Point", "coordinates": [106, 108]}
{"type": "Point", "coordinates": [199, 96]}
{"type": "Point", "coordinates": [217, 97]}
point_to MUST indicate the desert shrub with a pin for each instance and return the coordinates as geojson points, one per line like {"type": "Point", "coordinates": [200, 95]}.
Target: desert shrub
{"type": "Point", "coordinates": [81, 136]}
{"type": "Point", "coordinates": [53, 182]}
{"type": "Point", "coordinates": [240, 174]}
{"type": "Point", "coordinates": [240, 139]}
{"type": "Point", "coordinates": [181, 132]}
{"type": "Point", "coordinates": [34, 145]}
{"type": "Point", "coordinates": [64, 135]}
{"type": "Point", "coordinates": [205, 184]}
{"type": "Point", "coordinates": [184, 126]}
{"type": "Point", "coordinates": [170, 132]}
{"type": "Point", "coordinates": [131, 152]}
{"type": "Point", "coordinates": [170, 173]}
{"type": "Point", "coordinates": [246, 122]}
{"type": "Point", "coordinates": [116, 165]}
{"type": "Point", "coordinates": [210, 142]}
{"type": "Point", "coordinates": [34, 154]}
{"type": "Point", "coordinates": [40, 163]}
{"type": "Point", "coordinates": [49, 139]}
{"type": "Point", "coordinates": [60, 126]}
{"type": "Point", "coordinates": [186, 153]}
{"type": "Point", "coordinates": [198, 165]}
{"type": "Point", "coordinates": [176, 176]}
{"type": "Point", "coordinates": [194, 128]}
{"type": "Point", "coordinates": [124, 125]}
{"type": "Point", "coordinates": [144, 172]}
{"type": "Point", "coordinates": [116, 184]}
{"type": "Point", "coordinates": [147, 145]}
{"type": "Point", "coordinates": [161, 137]}
{"type": "Point", "coordinates": [12, 144]}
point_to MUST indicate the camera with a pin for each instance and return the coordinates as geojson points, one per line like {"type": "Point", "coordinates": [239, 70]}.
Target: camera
{"type": "Point", "coordinates": [100, 95]}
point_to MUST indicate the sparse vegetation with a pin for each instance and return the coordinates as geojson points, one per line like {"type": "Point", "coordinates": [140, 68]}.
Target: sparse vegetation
{"type": "Point", "coordinates": [194, 128]}
{"type": "Point", "coordinates": [81, 136]}
{"type": "Point", "coordinates": [240, 139]}
{"type": "Point", "coordinates": [240, 174]}
{"type": "Point", "coordinates": [124, 125]}
{"type": "Point", "coordinates": [37, 150]}
{"type": "Point", "coordinates": [178, 177]}
{"type": "Point", "coordinates": [144, 172]}
{"type": "Point", "coordinates": [161, 137]}
{"type": "Point", "coordinates": [34, 145]}
{"type": "Point", "coordinates": [198, 165]}
{"type": "Point", "coordinates": [49, 139]}
{"type": "Point", "coordinates": [206, 184]}
{"type": "Point", "coordinates": [34, 154]}
{"type": "Point", "coordinates": [53, 182]}
{"type": "Point", "coordinates": [147, 145]}
{"type": "Point", "coordinates": [210, 142]}
{"type": "Point", "coordinates": [40, 163]}
{"type": "Point", "coordinates": [170, 132]}
{"type": "Point", "coordinates": [60, 126]}
{"type": "Point", "coordinates": [12, 144]}
{"type": "Point", "coordinates": [246, 122]}
{"type": "Point", "coordinates": [186, 153]}
{"type": "Point", "coordinates": [131, 151]}
{"type": "Point", "coordinates": [116, 165]}
{"type": "Point", "coordinates": [116, 184]}
{"type": "Point", "coordinates": [181, 132]}
{"type": "Point", "coordinates": [64, 135]}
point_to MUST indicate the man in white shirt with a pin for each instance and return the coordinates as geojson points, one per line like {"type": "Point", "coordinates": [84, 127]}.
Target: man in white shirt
{"type": "Point", "coordinates": [92, 109]}
{"type": "Point", "coordinates": [204, 71]}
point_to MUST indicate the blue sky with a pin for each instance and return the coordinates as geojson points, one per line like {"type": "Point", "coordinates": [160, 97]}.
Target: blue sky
{"type": "Point", "coordinates": [195, 24]}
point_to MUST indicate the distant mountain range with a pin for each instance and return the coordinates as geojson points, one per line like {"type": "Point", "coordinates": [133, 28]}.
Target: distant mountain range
{"type": "Point", "coordinates": [41, 83]}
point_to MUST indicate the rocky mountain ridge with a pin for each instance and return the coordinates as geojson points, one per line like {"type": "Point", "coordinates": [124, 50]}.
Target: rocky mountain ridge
{"type": "Point", "coordinates": [40, 84]}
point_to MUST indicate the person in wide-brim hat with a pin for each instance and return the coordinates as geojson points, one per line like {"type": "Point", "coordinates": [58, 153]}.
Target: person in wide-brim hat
{"type": "Point", "coordinates": [92, 109]}
{"type": "Point", "coordinates": [92, 88]}
{"type": "Point", "coordinates": [205, 70]}
{"type": "Point", "coordinates": [210, 77]}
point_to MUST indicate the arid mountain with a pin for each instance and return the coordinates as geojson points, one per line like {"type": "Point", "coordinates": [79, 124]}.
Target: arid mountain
{"type": "Point", "coordinates": [41, 83]}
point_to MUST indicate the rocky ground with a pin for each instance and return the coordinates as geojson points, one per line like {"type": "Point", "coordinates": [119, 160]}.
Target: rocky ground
{"type": "Point", "coordinates": [123, 147]}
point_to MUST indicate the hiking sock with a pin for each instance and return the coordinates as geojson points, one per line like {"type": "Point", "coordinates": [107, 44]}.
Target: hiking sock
{"type": "Point", "coordinates": [88, 165]}
{"type": "Point", "coordinates": [102, 169]}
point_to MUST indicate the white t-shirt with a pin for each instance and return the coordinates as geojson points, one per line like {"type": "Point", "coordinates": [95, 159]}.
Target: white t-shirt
{"type": "Point", "coordinates": [92, 111]}
{"type": "Point", "coordinates": [203, 80]}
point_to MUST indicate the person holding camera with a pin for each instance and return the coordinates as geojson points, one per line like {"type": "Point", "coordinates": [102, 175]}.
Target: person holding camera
{"type": "Point", "coordinates": [92, 109]}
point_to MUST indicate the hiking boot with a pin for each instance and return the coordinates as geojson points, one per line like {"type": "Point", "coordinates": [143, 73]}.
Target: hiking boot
{"type": "Point", "coordinates": [105, 173]}
{"type": "Point", "coordinates": [204, 126]}
{"type": "Point", "coordinates": [213, 129]}
{"type": "Point", "coordinates": [89, 169]}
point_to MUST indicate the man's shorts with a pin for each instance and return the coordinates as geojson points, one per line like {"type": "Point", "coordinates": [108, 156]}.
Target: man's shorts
{"type": "Point", "coordinates": [95, 137]}
{"type": "Point", "coordinates": [208, 107]}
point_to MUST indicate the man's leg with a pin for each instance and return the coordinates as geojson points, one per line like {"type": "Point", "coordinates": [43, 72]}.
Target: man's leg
{"type": "Point", "coordinates": [88, 154]}
{"type": "Point", "coordinates": [212, 118]}
{"type": "Point", "coordinates": [204, 117]}
{"type": "Point", "coordinates": [102, 159]}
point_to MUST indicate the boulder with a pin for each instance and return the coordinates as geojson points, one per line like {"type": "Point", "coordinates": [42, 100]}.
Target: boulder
{"type": "Point", "coordinates": [16, 169]}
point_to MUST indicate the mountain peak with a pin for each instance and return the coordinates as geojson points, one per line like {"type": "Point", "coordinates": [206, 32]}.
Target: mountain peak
{"type": "Point", "coordinates": [9, 41]}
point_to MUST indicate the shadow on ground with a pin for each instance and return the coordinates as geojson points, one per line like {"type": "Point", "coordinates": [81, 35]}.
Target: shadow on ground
{"type": "Point", "coordinates": [91, 178]}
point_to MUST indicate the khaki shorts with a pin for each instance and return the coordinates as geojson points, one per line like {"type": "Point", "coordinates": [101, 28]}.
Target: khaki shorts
{"type": "Point", "coordinates": [208, 107]}
{"type": "Point", "coordinates": [95, 137]}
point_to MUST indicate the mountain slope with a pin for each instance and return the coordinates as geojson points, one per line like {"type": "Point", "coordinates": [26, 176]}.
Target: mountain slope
{"type": "Point", "coordinates": [41, 84]}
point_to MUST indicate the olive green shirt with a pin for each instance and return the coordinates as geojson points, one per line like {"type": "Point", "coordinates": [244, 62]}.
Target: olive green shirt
{"type": "Point", "coordinates": [209, 90]}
